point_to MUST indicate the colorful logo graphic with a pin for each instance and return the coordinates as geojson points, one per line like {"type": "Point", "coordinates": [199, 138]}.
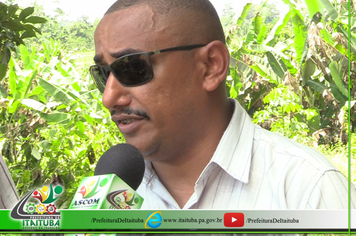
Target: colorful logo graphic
{"type": "Point", "coordinates": [29, 212]}
{"type": "Point", "coordinates": [90, 189]}
{"type": "Point", "coordinates": [122, 199]}
{"type": "Point", "coordinates": [46, 195]}
{"type": "Point", "coordinates": [154, 220]}
{"type": "Point", "coordinates": [105, 192]}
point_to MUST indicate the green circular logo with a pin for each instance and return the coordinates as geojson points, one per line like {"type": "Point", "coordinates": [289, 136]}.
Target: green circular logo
{"type": "Point", "coordinates": [58, 189]}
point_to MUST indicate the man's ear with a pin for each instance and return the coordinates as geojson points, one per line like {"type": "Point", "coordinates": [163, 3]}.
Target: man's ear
{"type": "Point", "coordinates": [217, 59]}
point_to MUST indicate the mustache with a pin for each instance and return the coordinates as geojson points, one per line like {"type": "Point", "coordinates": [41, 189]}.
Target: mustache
{"type": "Point", "coordinates": [129, 111]}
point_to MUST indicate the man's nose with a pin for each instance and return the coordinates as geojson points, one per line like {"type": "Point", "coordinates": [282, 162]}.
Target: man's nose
{"type": "Point", "coordinates": [115, 95]}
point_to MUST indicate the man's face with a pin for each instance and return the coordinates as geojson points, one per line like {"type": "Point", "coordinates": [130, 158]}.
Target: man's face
{"type": "Point", "coordinates": [160, 117]}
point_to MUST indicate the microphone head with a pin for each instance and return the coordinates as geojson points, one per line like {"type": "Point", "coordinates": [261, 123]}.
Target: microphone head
{"type": "Point", "coordinates": [124, 160]}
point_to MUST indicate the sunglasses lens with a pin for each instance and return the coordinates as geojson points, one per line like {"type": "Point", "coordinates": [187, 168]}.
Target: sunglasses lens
{"type": "Point", "coordinates": [100, 77]}
{"type": "Point", "coordinates": [133, 70]}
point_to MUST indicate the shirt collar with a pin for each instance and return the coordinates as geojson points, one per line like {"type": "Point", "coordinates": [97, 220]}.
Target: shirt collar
{"type": "Point", "coordinates": [234, 152]}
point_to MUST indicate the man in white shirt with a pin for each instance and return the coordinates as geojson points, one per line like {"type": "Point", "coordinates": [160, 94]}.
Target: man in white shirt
{"type": "Point", "coordinates": [162, 65]}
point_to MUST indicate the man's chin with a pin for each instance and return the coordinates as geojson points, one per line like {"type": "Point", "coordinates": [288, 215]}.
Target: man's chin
{"type": "Point", "coordinates": [146, 149]}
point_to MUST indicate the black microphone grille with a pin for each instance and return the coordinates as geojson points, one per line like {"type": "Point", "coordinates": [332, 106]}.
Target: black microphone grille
{"type": "Point", "coordinates": [124, 160]}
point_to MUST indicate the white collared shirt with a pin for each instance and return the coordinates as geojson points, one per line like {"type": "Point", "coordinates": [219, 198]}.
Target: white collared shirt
{"type": "Point", "coordinates": [253, 168]}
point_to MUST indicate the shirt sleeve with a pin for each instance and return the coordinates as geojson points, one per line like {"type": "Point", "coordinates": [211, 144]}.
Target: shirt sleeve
{"type": "Point", "coordinates": [8, 193]}
{"type": "Point", "coordinates": [331, 192]}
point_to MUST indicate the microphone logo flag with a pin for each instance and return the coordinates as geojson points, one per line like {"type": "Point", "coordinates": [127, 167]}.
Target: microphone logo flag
{"type": "Point", "coordinates": [105, 192]}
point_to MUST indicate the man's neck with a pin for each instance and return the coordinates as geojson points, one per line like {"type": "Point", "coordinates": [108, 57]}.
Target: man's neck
{"type": "Point", "coordinates": [179, 177]}
{"type": "Point", "coordinates": [180, 174]}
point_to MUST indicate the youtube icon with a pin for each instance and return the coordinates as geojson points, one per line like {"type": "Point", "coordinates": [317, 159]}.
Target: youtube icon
{"type": "Point", "coordinates": [234, 219]}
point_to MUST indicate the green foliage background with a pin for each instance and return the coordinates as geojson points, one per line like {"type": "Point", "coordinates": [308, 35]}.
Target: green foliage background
{"type": "Point", "coordinates": [289, 70]}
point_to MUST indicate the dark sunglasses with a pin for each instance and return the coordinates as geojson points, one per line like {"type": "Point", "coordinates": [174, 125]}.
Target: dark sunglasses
{"type": "Point", "coordinates": [132, 69]}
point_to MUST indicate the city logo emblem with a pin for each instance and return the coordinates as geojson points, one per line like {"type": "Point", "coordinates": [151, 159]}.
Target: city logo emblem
{"type": "Point", "coordinates": [43, 215]}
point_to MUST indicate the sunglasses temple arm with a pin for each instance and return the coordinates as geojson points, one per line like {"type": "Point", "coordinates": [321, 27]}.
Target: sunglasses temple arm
{"type": "Point", "coordinates": [186, 48]}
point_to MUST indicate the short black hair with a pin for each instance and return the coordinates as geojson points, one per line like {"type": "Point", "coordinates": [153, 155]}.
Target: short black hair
{"type": "Point", "coordinates": [202, 8]}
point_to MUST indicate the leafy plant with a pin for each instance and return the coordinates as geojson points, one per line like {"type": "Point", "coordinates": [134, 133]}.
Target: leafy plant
{"type": "Point", "coordinates": [54, 125]}
{"type": "Point", "coordinates": [285, 115]}
{"type": "Point", "coordinates": [15, 26]}
{"type": "Point", "coordinates": [305, 54]}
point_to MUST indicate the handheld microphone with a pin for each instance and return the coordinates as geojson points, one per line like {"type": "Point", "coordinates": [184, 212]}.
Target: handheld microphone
{"type": "Point", "coordinates": [118, 174]}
